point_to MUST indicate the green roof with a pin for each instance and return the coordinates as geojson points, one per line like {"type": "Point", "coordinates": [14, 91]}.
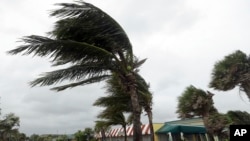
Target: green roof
{"type": "Point", "coordinates": [174, 128]}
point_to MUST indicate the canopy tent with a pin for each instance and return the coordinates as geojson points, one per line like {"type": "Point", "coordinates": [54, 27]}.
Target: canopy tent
{"type": "Point", "coordinates": [174, 128]}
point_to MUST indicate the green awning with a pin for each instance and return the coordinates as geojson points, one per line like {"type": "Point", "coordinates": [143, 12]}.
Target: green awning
{"type": "Point", "coordinates": [173, 128]}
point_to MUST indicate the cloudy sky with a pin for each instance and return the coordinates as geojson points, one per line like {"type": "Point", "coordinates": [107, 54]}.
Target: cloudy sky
{"type": "Point", "coordinates": [181, 39]}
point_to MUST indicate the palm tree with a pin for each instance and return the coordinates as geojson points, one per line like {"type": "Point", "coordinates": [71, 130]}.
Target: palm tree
{"type": "Point", "coordinates": [217, 123]}
{"type": "Point", "coordinates": [93, 45]}
{"type": "Point", "coordinates": [102, 126]}
{"type": "Point", "coordinates": [196, 102]}
{"type": "Point", "coordinates": [146, 101]}
{"type": "Point", "coordinates": [114, 116]}
{"type": "Point", "coordinates": [118, 98]}
{"type": "Point", "coordinates": [232, 71]}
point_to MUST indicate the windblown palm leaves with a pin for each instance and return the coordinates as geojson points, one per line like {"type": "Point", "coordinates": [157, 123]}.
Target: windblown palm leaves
{"type": "Point", "coordinates": [92, 46]}
{"type": "Point", "coordinates": [118, 99]}
{"type": "Point", "coordinates": [87, 38]}
{"type": "Point", "coordinates": [194, 102]}
{"type": "Point", "coordinates": [238, 117]}
{"type": "Point", "coordinates": [232, 71]}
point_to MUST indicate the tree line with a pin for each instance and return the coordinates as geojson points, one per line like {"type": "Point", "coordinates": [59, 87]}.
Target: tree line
{"type": "Point", "coordinates": [86, 135]}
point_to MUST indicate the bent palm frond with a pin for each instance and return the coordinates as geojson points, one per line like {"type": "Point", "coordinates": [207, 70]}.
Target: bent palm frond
{"type": "Point", "coordinates": [72, 73]}
{"type": "Point", "coordinates": [61, 50]}
{"type": "Point", "coordinates": [86, 23]}
{"type": "Point", "coordinates": [84, 82]}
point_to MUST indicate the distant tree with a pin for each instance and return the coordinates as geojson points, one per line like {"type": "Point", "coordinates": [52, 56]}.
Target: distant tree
{"type": "Point", "coordinates": [114, 116]}
{"type": "Point", "coordinates": [34, 137]}
{"type": "Point", "coordinates": [20, 136]}
{"type": "Point", "coordinates": [62, 138]}
{"type": "Point", "coordinates": [195, 102]}
{"type": "Point", "coordinates": [88, 134]}
{"type": "Point", "coordinates": [79, 135]}
{"type": "Point", "coordinates": [232, 71]}
{"type": "Point", "coordinates": [102, 126]}
{"type": "Point", "coordinates": [9, 126]}
{"type": "Point", "coordinates": [91, 45]}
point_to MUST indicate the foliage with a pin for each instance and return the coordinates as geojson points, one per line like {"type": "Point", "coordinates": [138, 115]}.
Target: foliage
{"type": "Point", "coordinates": [117, 102]}
{"type": "Point", "coordinates": [86, 135]}
{"type": "Point", "coordinates": [79, 135]}
{"type": "Point", "coordinates": [9, 126]}
{"type": "Point", "coordinates": [85, 37]}
{"type": "Point", "coordinates": [91, 46]}
{"type": "Point", "coordinates": [34, 137]}
{"type": "Point", "coordinates": [232, 71]}
{"type": "Point", "coordinates": [217, 123]}
{"type": "Point", "coordinates": [194, 102]}
{"type": "Point", "coordinates": [238, 117]}
{"type": "Point", "coordinates": [62, 138]}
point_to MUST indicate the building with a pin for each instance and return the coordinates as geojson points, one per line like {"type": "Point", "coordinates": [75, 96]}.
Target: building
{"type": "Point", "coordinates": [177, 130]}
{"type": "Point", "coordinates": [188, 129]}
{"type": "Point", "coordinates": [118, 134]}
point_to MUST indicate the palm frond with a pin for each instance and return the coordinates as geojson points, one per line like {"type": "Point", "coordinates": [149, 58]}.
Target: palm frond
{"type": "Point", "coordinates": [138, 63]}
{"type": "Point", "coordinates": [194, 102]}
{"type": "Point", "coordinates": [60, 50]}
{"type": "Point", "coordinates": [73, 73]}
{"type": "Point", "coordinates": [84, 22]}
{"type": "Point", "coordinates": [84, 82]}
{"type": "Point", "coordinates": [117, 101]}
{"type": "Point", "coordinates": [71, 9]}
{"type": "Point", "coordinates": [230, 71]}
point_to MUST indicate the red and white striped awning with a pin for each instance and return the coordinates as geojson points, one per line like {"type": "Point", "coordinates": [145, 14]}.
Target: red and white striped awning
{"type": "Point", "coordinates": [118, 132]}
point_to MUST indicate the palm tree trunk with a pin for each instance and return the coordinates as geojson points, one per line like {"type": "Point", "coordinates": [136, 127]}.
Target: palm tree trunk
{"type": "Point", "coordinates": [125, 133]}
{"type": "Point", "coordinates": [205, 120]}
{"type": "Point", "coordinates": [136, 108]}
{"type": "Point", "coordinates": [150, 120]}
{"type": "Point", "coordinates": [103, 135]}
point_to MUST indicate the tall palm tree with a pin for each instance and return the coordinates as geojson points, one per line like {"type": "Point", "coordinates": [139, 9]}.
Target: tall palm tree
{"type": "Point", "coordinates": [232, 71]}
{"type": "Point", "coordinates": [93, 45]}
{"type": "Point", "coordinates": [146, 101]}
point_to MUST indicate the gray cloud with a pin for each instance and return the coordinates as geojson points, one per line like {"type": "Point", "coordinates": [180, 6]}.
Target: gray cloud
{"type": "Point", "coordinates": [182, 41]}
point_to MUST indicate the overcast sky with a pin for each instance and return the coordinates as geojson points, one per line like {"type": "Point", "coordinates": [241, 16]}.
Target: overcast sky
{"type": "Point", "coordinates": [181, 39]}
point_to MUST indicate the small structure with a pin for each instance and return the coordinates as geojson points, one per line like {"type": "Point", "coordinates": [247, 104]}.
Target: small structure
{"type": "Point", "coordinates": [189, 129]}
